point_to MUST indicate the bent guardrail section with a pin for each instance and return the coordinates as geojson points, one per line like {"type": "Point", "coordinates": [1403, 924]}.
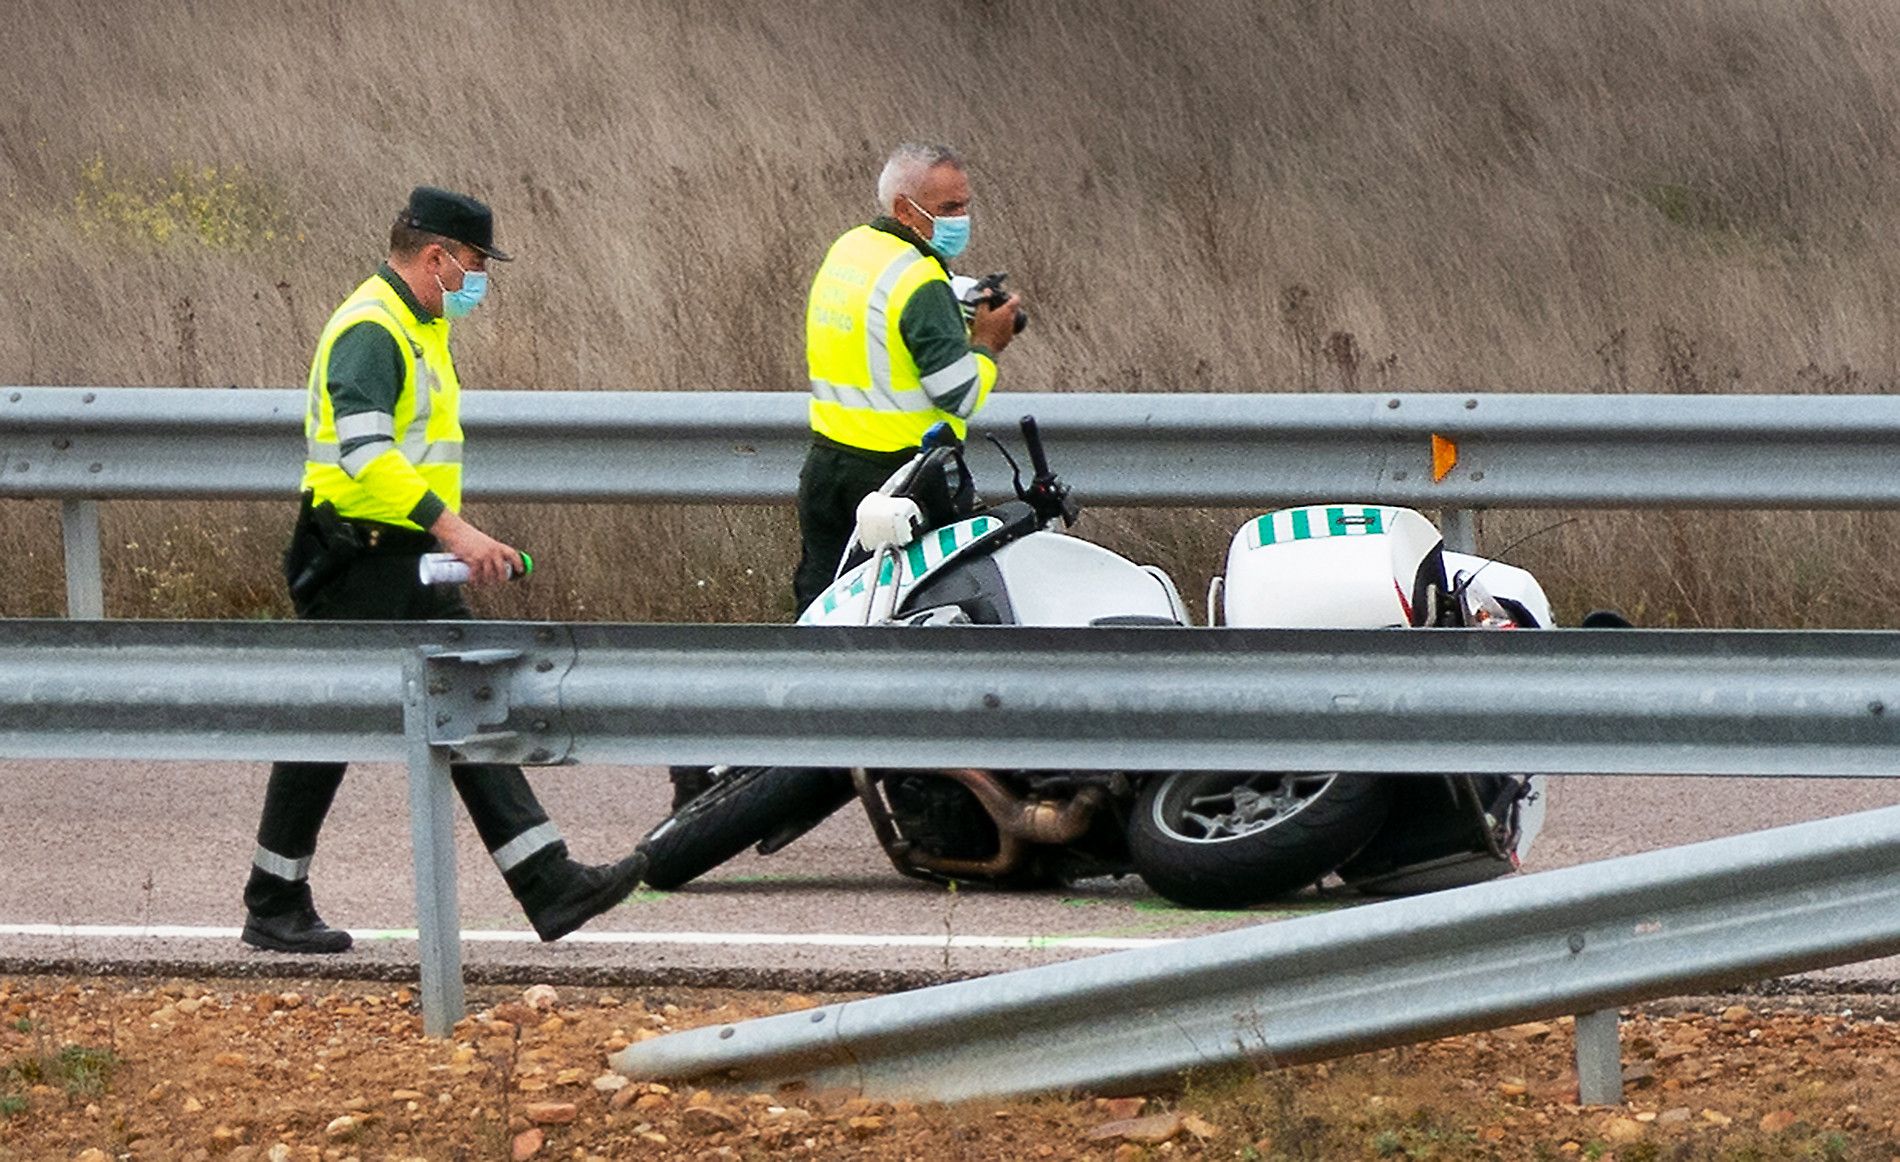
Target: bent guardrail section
{"type": "Point", "coordinates": [1574, 941]}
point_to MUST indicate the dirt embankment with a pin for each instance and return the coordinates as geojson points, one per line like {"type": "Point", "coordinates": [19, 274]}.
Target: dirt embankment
{"type": "Point", "coordinates": [108, 1069]}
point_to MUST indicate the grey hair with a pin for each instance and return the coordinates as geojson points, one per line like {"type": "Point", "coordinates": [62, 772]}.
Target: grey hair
{"type": "Point", "coordinates": [906, 167]}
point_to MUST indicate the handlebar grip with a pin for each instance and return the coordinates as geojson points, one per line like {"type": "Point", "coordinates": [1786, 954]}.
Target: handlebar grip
{"type": "Point", "coordinates": [1033, 439]}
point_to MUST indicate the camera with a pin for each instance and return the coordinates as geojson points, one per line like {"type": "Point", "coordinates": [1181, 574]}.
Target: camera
{"type": "Point", "coordinates": [985, 292]}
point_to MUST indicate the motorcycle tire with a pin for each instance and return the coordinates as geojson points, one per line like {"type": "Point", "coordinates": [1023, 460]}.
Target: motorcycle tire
{"type": "Point", "coordinates": [1217, 839]}
{"type": "Point", "coordinates": [746, 805]}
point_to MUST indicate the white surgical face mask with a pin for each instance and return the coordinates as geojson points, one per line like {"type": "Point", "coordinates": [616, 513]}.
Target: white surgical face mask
{"type": "Point", "coordinates": [949, 235]}
{"type": "Point", "coordinates": [457, 303]}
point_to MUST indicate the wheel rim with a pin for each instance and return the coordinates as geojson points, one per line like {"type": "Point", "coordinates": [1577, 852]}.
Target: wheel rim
{"type": "Point", "coordinates": [1217, 807]}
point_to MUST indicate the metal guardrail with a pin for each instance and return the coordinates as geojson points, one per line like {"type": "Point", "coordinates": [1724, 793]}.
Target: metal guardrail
{"type": "Point", "coordinates": [1116, 698]}
{"type": "Point", "coordinates": [1581, 940]}
{"type": "Point", "coordinates": [1780, 703]}
{"type": "Point", "coordinates": [83, 445]}
{"type": "Point", "coordinates": [1557, 451]}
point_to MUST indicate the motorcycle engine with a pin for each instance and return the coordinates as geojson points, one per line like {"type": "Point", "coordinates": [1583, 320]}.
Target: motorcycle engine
{"type": "Point", "coordinates": [940, 817]}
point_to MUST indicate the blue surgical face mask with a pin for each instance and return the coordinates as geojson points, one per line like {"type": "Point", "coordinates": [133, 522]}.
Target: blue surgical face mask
{"type": "Point", "coordinates": [948, 235]}
{"type": "Point", "coordinates": [457, 303]}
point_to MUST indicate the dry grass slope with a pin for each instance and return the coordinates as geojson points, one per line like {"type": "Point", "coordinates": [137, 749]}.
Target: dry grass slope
{"type": "Point", "coordinates": [1359, 195]}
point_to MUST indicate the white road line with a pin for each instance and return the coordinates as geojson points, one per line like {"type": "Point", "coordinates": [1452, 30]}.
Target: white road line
{"type": "Point", "coordinates": [733, 939]}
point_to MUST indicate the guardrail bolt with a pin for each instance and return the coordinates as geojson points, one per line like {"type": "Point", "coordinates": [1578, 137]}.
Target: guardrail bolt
{"type": "Point", "coordinates": [438, 685]}
{"type": "Point", "coordinates": [1399, 475]}
{"type": "Point", "coordinates": [725, 1033]}
{"type": "Point", "coordinates": [1477, 475]}
{"type": "Point", "coordinates": [1876, 708]}
{"type": "Point", "coordinates": [1470, 403]}
{"type": "Point", "coordinates": [1576, 942]}
{"type": "Point", "coordinates": [442, 719]}
{"type": "Point", "coordinates": [88, 397]}
{"type": "Point", "coordinates": [991, 701]}
{"type": "Point", "coordinates": [543, 666]}
{"type": "Point", "coordinates": [95, 466]}
{"type": "Point", "coordinates": [1391, 403]}
{"type": "Point", "coordinates": [62, 443]}
{"type": "Point", "coordinates": [483, 693]}
{"type": "Point", "coordinates": [14, 398]}
{"type": "Point", "coordinates": [539, 755]}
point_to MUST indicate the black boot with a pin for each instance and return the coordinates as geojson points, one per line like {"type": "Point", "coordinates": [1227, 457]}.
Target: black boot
{"type": "Point", "coordinates": [280, 917]}
{"type": "Point", "coordinates": [560, 895]}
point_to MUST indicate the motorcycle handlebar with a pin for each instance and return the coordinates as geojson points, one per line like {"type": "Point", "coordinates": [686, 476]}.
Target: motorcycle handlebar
{"type": "Point", "coordinates": [1032, 438]}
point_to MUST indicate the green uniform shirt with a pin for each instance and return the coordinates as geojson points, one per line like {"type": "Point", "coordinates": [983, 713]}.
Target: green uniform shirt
{"type": "Point", "coordinates": [365, 375]}
{"type": "Point", "coordinates": [932, 323]}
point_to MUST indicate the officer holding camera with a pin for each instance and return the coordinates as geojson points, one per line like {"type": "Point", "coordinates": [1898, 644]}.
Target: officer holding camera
{"type": "Point", "coordinates": [892, 350]}
{"type": "Point", "coordinates": [889, 348]}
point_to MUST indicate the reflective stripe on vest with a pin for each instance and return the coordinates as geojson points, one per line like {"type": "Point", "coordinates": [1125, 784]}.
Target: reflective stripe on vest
{"type": "Point", "coordinates": [425, 425]}
{"type": "Point", "coordinates": [865, 388]}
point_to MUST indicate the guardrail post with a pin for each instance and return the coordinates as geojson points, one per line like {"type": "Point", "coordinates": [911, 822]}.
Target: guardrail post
{"type": "Point", "coordinates": [431, 822]}
{"type": "Point", "coordinates": [85, 587]}
{"type": "Point", "coordinates": [1599, 1059]}
{"type": "Point", "coordinates": [1459, 527]}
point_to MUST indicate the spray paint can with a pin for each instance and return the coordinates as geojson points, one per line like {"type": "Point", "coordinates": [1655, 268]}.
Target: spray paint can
{"type": "Point", "coordinates": [448, 569]}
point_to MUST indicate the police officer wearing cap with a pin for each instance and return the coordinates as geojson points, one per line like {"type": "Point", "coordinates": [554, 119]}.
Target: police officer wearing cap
{"type": "Point", "coordinates": [381, 486]}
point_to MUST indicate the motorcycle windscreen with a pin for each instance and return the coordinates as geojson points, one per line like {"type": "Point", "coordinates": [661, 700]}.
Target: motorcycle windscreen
{"type": "Point", "coordinates": [1329, 566]}
{"type": "Point", "coordinates": [1058, 580]}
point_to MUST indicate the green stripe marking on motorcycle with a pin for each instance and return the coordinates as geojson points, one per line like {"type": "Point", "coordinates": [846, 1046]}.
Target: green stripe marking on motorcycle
{"type": "Point", "coordinates": [1298, 524]}
{"type": "Point", "coordinates": [919, 558]}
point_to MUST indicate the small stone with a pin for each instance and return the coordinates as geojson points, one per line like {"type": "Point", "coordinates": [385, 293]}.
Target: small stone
{"type": "Point", "coordinates": [189, 1006]}
{"type": "Point", "coordinates": [1152, 1130]}
{"type": "Point", "coordinates": [865, 1126]}
{"type": "Point", "coordinates": [651, 1101]}
{"type": "Point", "coordinates": [231, 1060]}
{"type": "Point", "coordinates": [1513, 1088]}
{"type": "Point", "coordinates": [278, 1153]}
{"type": "Point", "coordinates": [610, 1083]}
{"type": "Point", "coordinates": [1737, 1015]}
{"type": "Point", "coordinates": [193, 1106]}
{"type": "Point", "coordinates": [1673, 1117]}
{"type": "Point", "coordinates": [706, 1121]}
{"type": "Point", "coordinates": [1623, 1130]}
{"type": "Point", "coordinates": [1716, 1118]}
{"type": "Point", "coordinates": [1122, 1108]}
{"type": "Point", "coordinates": [1200, 1127]}
{"type": "Point", "coordinates": [540, 997]}
{"type": "Point", "coordinates": [1775, 1121]}
{"type": "Point", "coordinates": [1530, 1032]}
{"type": "Point", "coordinates": [1129, 1152]}
{"type": "Point", "coordinates": [550, 1113]}
{"type": "Point", "coordinates": [341, 1127]}
{"type": "Point", "coordinates": [91, 1154]}
{"type": "Point", "coordinates": [527, 1144]}
{"type": "Point", "coordinates": [405, 1095]}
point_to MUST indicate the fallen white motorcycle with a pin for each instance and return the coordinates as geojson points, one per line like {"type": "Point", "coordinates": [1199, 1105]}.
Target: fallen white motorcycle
{"type": "Point", "coordinates": [928, 554]}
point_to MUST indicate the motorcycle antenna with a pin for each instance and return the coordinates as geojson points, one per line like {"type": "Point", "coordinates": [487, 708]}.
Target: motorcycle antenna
{"type": "Point", "coordinates": [1458, 590]}
{"type": "Point", "coordinates": [1015, 470]}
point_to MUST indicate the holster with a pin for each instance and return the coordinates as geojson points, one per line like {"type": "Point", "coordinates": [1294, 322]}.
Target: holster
{"type": "Point", "coordinates": [322, 545]}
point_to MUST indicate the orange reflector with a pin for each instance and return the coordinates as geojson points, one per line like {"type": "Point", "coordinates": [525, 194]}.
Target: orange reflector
{"type": "Point", "coordinates": [1444, 457]}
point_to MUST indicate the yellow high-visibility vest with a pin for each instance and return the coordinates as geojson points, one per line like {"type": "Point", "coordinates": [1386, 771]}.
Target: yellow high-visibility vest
{"type": "Point", "coordinates": [866, 391]}
{"type": "Point", "coordinates": [421, 445]}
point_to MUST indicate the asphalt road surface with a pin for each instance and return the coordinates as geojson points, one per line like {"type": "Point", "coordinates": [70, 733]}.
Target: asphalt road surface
{"type": "Point", "coordinates": [128, 865]}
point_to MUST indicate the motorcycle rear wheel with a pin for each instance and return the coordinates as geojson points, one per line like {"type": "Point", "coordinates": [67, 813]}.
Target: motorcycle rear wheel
{"type": "Point", "coordinates": [746, 805]}
{"type": "Point", "coordinates": [1217, 839]}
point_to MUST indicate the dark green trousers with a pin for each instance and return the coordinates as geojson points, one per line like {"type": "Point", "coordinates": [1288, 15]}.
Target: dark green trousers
{"type": "Point", "coordinates": [830, 485]}
{"type": "Point", "coordinates": [376, 583]}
